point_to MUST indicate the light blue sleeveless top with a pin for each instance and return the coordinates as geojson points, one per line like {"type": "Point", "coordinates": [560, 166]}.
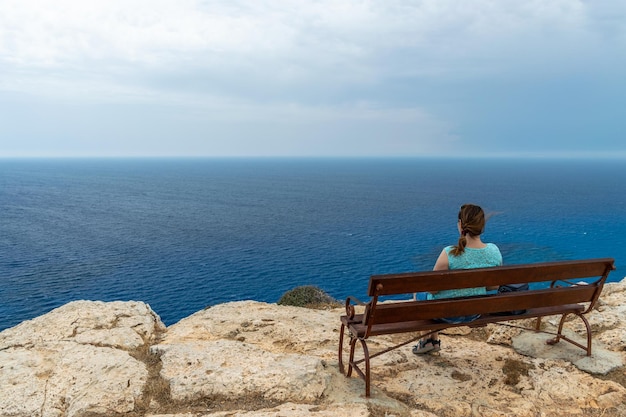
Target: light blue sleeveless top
{"type": "Point", "coordinates": [470, 258]}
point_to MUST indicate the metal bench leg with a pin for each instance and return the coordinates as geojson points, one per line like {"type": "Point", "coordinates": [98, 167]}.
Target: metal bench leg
{"type": "Point", "coordinates": [588, 327]}
{"type": "Point", "coordinates": [560, 335]}
{"type": "Point", "coordinates": [351, 359]}
{"type": "Point", "coordinates": [341, 332]}
{"type": "Point", "coordinates": [556, 340]}
{"type": "Point", "coordinates": [366, 359]}
{"type": "Point", "coordinates": [366, 355]}
{"type": "Point", "coordinates": [354, 365]}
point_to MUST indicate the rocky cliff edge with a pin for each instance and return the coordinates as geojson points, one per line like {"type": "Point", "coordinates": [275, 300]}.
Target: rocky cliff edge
{"type": "Point", "coordinates": [252, 359]}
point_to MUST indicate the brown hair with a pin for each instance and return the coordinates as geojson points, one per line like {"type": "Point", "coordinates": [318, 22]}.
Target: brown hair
{"type": "Point", "coordinates": [472, 220]}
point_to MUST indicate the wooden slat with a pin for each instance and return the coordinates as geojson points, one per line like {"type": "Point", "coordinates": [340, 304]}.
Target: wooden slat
{"type": "Point", "coordinates": [406, 283]}
{"type": "Point", "coordinates": [425, 310]}
{"type": "Point", "coordinates": [426, 325]}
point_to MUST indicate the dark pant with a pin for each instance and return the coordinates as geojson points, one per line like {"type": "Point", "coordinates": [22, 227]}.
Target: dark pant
{"type": "Point", "coordinates": [459, 319]}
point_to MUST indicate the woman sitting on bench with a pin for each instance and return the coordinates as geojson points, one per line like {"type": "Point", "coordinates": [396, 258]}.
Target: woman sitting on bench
{"type": "Point", "coordinates": [470, 252]}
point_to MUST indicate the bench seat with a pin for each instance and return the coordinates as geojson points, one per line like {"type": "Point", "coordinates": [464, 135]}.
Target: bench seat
{"type": "Point", "coordinates": [359, 329]}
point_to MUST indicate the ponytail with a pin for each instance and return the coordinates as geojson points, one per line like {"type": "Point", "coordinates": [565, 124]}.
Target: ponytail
{"type": "Point", "coordinates": [472, 220]}
{"type": "Point", "coordinates": [460, 247]}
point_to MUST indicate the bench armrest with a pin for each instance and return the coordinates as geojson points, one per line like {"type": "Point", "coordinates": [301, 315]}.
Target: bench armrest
{"type": "Point", "coordinates": [350, 312]}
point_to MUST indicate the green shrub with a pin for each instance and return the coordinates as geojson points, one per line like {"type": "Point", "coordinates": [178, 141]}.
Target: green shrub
{"type": "Point", "coordinates": [308, 296]}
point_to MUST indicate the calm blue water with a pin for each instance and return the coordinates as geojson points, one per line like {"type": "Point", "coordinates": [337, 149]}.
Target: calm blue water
{"type": "Point", "coordinates": [184, 234]}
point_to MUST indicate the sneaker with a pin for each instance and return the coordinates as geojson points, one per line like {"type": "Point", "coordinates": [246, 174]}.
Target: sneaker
{"type": "Point", "coordinates": [436, 345]}
{"type": "Point", "coordinates": [425, 346]}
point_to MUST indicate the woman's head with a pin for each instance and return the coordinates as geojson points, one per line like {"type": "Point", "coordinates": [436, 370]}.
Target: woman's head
{"type": "Point", "coordinates": [471, 222]}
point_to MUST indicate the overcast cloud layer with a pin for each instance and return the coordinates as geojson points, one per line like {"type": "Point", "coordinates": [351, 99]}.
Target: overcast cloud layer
{"type": "Point", "coordinates": [314, 78]}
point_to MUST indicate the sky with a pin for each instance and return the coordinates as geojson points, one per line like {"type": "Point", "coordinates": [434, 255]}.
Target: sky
{"type": "Point", "coordinates": [315, 78]}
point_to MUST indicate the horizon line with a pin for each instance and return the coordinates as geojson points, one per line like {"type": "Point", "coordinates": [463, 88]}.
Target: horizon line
{"type": "Point", "coordinates": [571, 156]}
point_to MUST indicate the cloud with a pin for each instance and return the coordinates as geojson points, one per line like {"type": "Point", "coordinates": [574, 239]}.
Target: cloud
{"type": "Point", "coordinates": [295, 41]}
{"type": "Point", "coordinates": [436, 70]}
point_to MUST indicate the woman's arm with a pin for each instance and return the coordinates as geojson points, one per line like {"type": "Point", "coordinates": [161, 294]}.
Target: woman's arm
{"type": "Point", "coordinates": [442, 262]}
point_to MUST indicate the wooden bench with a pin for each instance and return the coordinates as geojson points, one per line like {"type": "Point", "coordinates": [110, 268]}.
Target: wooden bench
{"type": "Point", "coordinates": [558, 295]}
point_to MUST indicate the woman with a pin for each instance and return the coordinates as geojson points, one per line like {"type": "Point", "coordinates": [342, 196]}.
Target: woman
{"type": "Point", "coordinates": [469, 252]}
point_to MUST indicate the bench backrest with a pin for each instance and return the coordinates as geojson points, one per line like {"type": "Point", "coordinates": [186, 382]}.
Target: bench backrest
{"type": "Point", "coordinates": [559, 274]}
{"type": "Point", "coordinates": [412, 282]}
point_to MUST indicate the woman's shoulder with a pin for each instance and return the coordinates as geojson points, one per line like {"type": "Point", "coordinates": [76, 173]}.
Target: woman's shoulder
{"type": "Point", "coordinates": [492, 246]}
{"type": "Point", "coordinates": [494, 252]}
{"type": "Point", "coordinates": [447, 249]}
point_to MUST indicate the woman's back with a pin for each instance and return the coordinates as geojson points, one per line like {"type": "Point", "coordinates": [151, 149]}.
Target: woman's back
{"type": "Point", "coordinates": [485, 257]}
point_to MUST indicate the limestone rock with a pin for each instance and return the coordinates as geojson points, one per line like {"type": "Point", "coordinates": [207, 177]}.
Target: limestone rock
{"type": "Point", "coordinates": [279, 329]}
{"type": "Point", "coordinates": [125, 325]}
{"type": "Point", "coordinates": [76, 359]}
{"type": "Point", "coordinates": [234, 369]}
{"type": "Point", "coordinates": [285, 410]}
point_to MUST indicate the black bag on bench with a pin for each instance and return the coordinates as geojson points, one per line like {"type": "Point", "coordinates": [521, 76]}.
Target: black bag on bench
{"type": "Point", "coordinates": [512, 288]}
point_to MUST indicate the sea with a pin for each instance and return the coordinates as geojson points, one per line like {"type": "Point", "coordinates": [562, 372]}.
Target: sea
{"type": "Point", "coordinates": [185, 234]}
